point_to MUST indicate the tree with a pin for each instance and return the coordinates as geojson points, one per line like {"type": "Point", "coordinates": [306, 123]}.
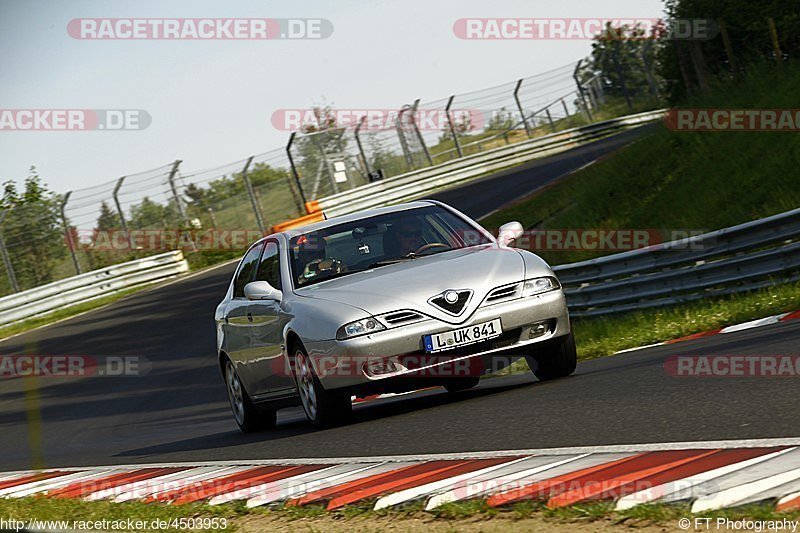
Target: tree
{"type": "Point", "coordinates": [32, 230]}
{"type": "Point", "coordinates": [108, 219]}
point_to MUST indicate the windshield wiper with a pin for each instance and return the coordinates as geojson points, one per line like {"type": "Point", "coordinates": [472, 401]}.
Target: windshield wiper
{"type": "Point", "coordinates": [387, 262]}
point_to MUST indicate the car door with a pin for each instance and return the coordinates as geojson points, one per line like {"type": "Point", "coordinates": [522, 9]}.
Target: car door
{"type": "Point", "coordinates": [237, 321]}
{"type": "Point", "coordinates": [269, 366]}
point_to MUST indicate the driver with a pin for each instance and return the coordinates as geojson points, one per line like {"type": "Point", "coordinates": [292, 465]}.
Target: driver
{"type": "Point", "coordinates": [313, 255]}
{"type": "Point", "coordinates": [409, 236]}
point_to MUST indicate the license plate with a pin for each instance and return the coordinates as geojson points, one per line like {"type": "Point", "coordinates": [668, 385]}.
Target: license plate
{"type": "Point", "coordinates": [462, 336]}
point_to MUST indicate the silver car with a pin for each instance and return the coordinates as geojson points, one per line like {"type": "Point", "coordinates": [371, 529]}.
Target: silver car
{"type": "Point", "coordinates": [387, 300]}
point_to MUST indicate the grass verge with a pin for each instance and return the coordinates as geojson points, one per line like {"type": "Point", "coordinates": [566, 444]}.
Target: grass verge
{"type": "Point", "coordinates": [697, 181]}
{"type": "Point", "coordinates": [471, 515]}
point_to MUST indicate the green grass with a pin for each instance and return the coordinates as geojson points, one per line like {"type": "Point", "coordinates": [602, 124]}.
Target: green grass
{"type": "Point", "coordinates": [453, 514]}
{"type": "Point", "coordinates": [680, 180]}
{"type": "Point", "coordinates": [606, 335]}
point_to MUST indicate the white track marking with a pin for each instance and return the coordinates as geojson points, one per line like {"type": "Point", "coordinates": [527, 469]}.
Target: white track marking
{"type": "Point", "coordinates": [628, 350]}
{"type": "Point", "coordinates": [781, 462]}
{"type": "Point", "coordinates": [789, 497]}
{"type": "Point", "coordinates": [682, 485]}
{"type": "Point", "coordinates": [155, 487]}
{"type": "Point", "coordinates": [292, 489]}
{"type": "Point", "coordinates": [436, 486]}
{"type": "Point", "coordinates": [113, 492]}
{"type": "Point", "coordinates": [754, 323]}
{"type": "Point", "coordinates": [47, 485]}
{"type": "Point", "coordinates": [41, 483]}
{"type": "Point", "coordinates": [484, 484]}
{"type": "Point", "coordinates": [741, 494]}
{"type": "Point", "coordinates": [250, 492]}
{"type": "Point", "coordinates": [284, 489]}
{"type": "Point", "coordinates": [352, 476]}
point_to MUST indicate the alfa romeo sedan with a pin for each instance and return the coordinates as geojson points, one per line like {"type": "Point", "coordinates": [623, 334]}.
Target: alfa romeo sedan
{"type": "Point", "coordinates": [388, 300]}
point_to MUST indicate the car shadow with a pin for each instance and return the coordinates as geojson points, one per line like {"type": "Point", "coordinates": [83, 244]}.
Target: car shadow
{"type": "Point", "coordinates": [293, 424]}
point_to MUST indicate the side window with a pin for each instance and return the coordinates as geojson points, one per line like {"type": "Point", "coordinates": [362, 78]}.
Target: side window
{"type": "Point", "coordinates": [269, 269]}
{"type": "Point", "coordinates": [247, 270]}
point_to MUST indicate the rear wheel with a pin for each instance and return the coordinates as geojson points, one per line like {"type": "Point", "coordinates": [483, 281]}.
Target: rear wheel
{"type": "Point", "coordinates": [324, 408]}
{"type": "Point", "coordinates": [461, 384]}
{"type": "Point", "coordinates": [248, 416]}
{"type": "Point", "coordinates": [555, 359]}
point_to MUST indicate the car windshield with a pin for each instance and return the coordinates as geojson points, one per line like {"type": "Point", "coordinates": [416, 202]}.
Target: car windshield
{"type": "Point", "coordinates": [378, 241]}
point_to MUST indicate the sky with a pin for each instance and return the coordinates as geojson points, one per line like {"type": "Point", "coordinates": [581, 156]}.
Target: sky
{"type": "Point", "coordinates": [210, 102]}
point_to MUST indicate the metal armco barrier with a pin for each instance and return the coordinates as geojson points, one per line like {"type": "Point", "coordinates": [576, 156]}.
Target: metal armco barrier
{"type": "Point", "coordinates": [91, 285]}
{"type": "Point", "coordinates": [417, 184]}
{"type": "Point", "coordinates": [741, 258]}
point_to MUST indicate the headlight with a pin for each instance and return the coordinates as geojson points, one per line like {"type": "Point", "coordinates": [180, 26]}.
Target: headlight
{"type": "Point", "coordinates": [359, 327]}
{"type": "Point", "coordinates": [539, 285]}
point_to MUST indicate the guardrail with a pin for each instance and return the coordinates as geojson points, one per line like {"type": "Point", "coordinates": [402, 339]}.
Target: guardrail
{"type": "Point", "coordinates": [737, 259]}
{"type": "Point", "coordinates": [89, 286]}
{"type": "Point", "coordinates": [421, 183]}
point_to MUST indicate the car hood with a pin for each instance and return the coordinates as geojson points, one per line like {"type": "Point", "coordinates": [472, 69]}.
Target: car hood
{"type": "Point", "coordinates": [409, 285]}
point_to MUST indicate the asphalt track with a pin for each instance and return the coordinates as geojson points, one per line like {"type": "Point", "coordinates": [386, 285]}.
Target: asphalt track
{"type": "Point", "coordinates": [179, 412]}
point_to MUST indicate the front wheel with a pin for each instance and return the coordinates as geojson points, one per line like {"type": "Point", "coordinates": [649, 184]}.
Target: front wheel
{"type": "Point", "coordinates": [555, 359]}
{"type": "Point", "coordinates": [324, 408]}
{"type": "Point", "coordinates": [248, 416]}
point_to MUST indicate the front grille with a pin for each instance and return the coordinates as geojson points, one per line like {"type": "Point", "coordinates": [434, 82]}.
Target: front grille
{"type": "Point", "coordinates": [454, 308]}
{"type": "Point", "coordinates": [502, 293]}
{"type": "Point", "coordinates": [402, 317]}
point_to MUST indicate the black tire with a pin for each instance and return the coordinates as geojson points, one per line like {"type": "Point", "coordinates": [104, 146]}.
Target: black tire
{"type": "Point", "coordinates": [461, 384]}
{"type": "Point", "coordinates": [323, 408]}
{"type": "Point", "coordinates": [555, 359]}
{"type": "Point", "coordinates": [248, 417]}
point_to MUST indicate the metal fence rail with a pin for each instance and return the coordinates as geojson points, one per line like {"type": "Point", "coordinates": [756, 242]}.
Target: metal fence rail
{"type": "Point", "coordinates": [421, 183]}
{"type": "Point", "coordinates": [89, 286]}
{"type": "Point", "coordinates": [737, 259]}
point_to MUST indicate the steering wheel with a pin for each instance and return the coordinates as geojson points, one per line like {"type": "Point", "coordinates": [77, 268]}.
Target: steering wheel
{"type": "Point", "coordinates": [430, 246]}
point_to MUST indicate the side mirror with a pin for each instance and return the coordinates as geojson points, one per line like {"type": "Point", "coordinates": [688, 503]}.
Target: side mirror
{"type": "Point", "coordinates": [509, 232]}
{"type": "Point", "coordinates": [261, 290]}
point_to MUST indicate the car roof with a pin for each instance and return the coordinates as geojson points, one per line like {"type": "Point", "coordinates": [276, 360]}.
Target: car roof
{"type": "Point", "coordinates": [368, 213]}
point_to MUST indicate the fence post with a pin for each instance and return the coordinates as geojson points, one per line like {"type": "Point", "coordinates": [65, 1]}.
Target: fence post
{"type": "Point", "coordinates": [452, 127]}
{"type": "Point", "coordinates": [12, 277]}
{"type": "Point", "coordinates": [419, 135]}
{"type": "Point", "coordinates": [580, 90]}
{"type": "Point", "coordinates": [360, 147]}
{"type": "Point", "coordinates": [566, 109]}
{"type": "Point", "coordinates": [726, 42]}
{"type": "Point", "coordinates": [68, 233]}
{"type": "Point", "coordinates": [120, 214]}
{"type": "Point", "coordinates": [401, 135]}
{"type": "Point", "coordinates": [521, 111]}
{"type": "Point", "coordinates": [249, 187]}
{"type": "Point", "coordinates": [776, 45]}
{"type": "Point", "coordinates": [302, 203]}
{"type": "Point", "coordinates": [550, 119]}
{"type": "Point", "coordinates": [175, 195]}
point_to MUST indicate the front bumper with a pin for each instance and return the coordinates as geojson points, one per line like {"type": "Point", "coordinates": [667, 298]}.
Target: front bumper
{"type": "Point", "coordinates": [366, 362]}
